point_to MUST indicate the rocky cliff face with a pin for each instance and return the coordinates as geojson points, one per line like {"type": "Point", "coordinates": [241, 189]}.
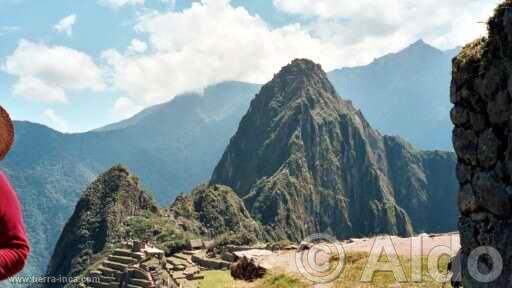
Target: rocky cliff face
{"type": "Point", "coordinates": [306, 161]}
{"type": "Point", "coordinates": [98, 221]}
{"type": "Point", "coordinates": [481, 91]}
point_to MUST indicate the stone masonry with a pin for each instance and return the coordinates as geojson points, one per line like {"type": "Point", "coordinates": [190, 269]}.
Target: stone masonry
{"type": "Point", "coordinates": [482, 137]}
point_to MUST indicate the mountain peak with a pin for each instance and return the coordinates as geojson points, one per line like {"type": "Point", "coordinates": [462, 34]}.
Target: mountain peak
{"type": "Point", "coordinates": [301, 67]}
{"type": "Point", "coordinates": [302, 82]}
{"type": "Point", "coordinates": [420, 45]}
{"type": "Point", "coordinates": [419, 42]}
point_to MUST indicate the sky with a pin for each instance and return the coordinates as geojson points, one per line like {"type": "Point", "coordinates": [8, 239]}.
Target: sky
{"type": "Point", "coordinates": [76, 65]}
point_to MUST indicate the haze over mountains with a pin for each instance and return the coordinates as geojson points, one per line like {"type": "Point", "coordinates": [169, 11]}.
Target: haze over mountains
{"type": "Point", "coordinates": [404, 94]}
{"type": "Point", "coordinates": [174, 146]}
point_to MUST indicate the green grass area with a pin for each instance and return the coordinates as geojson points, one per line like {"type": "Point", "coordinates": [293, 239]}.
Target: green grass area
{"type": "Point", "coordinates": [356, 262]}
{"type": "Point", "coordinates": [354, 266]}
{"type": "Point", "coordinates": [217, 279]}
{"type": "Point", "coordinates": [281, 281]}
{"type": "Point", "coordinates": [223, 279]}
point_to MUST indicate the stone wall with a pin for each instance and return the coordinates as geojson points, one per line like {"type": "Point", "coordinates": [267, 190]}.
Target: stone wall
{"type": "Point", "coordinates": [482, 137]}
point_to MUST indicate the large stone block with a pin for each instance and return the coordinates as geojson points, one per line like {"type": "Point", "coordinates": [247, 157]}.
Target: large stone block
{"type": "Point", "coordinates": [467, 200]}
{"type": "Point", "coordinates": [464, 173]}
{"type": "Point", "coordinates": [499, 108]}
{"type": "Point", "coordinates": [459, 116]}
{"type": "Point", "coordinates": [487, 149]}
{"type": "Point", "coordinates": [465, 144]}
{"type": "Point", "coordinates": [491, 194]}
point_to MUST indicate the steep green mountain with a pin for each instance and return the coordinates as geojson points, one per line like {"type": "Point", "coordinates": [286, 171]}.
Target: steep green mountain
{"type": "Point", "coordinates": [173, 147]}
{"type": "Point", "coordinates": [404, 94]}
{"type": "Point", "coordinates": [306, 161]}
{"type": "Point", "coordinates": [114, 208]}
{"type": "Point", "coordinates": [99, 219]}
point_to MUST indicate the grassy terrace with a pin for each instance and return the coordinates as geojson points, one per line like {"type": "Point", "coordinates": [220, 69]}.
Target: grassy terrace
{"type": "Point", "coordinates": [355, 263]}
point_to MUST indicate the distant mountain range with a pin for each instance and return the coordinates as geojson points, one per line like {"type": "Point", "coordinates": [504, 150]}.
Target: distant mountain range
{"type": "Point", "coordinates": [175, 146]}
{"type": "Point", "coordinates": [405, 93]}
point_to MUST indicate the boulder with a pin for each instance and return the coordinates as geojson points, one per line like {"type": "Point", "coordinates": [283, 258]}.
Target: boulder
{"type": "Point", "coordinates": [246, 269]}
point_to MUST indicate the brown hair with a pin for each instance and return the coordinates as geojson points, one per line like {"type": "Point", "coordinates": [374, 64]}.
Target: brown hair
{"type": "Point", "coordinates": [6, 133]}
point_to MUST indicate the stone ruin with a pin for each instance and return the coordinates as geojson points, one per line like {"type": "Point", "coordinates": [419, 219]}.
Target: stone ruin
{"type": "Point", "coordinates": [139, 264]}
{"type": "Point", "coordinates": [482, 137]}
{"type": "Point", "coordinates": [136, 265]}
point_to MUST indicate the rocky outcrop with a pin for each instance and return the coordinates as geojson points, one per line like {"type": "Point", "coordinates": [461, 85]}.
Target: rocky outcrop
{"type": "Point", "coordinates": [306, 161]}
{"type": "Point", "coordinates": [98, 221]}
{"type": "Point", "coordinates": [482, 138]}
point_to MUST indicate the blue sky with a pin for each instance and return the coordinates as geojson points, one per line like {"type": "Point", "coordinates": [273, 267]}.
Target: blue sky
{"type": "Point", "coordinates": [77, 65]}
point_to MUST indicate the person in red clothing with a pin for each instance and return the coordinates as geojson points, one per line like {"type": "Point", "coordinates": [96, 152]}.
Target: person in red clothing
{"type": "Point", "coordinates": [14, 246]}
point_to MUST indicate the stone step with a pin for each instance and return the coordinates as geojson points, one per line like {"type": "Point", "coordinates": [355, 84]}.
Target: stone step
{"type": "Point", "coordinates": [140, 282]}
{"type": "Point", "coordinates": [138, 274]}
{"type": "Point", "coordinates": [178, 276]}
{"type": "Point", "coordinates": [212, 264]}
{"type": "Point", "coordinates": [133, 286]}
{"type": "Point", "coordinates": [109, 272]}
{"type": "Point", "coordinates": [107, 279]}
{"type": "Point", "coordinates": [128, 253]}
{"type": "Point", "coordinates": [122, 259]}
{"type": "Point", "coordinates": [180, 267]}
{"type": "Point", "coordinates": [94, 274]}
{"type": "Point", "coordinates": [184, 257]}
{"type": "Point", "coordinates": [99, 285]}
{"type": "Point", "coordinates": [195, 277]}
{"type": "Point", "coordinates": [113, 285]}
{"type": "Point", "coordinates": [115, 266]}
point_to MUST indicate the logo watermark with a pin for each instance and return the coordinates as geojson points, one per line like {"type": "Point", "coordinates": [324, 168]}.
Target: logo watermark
{"type": "Point", "coordinates": [321, 259]}
{"type": "Point", "coordinates": [323, 262]}
{"type": "Point", "coordinates": [29, 280]}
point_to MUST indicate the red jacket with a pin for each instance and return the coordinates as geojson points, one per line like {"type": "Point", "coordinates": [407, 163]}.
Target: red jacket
{"type": "Point", "coordinates": [14, 246]}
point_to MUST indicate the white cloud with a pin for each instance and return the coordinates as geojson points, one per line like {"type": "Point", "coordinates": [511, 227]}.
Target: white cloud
{"type": "Point", "coordinates": [120, 3]}
{"type": "Point", "coordinates": [369, 28]}
{"type": "Point", "coordinates": [208, 43]}
{"type": "Point", "coordinates": [47, 73]}
{"type": "Point", "coordinates": [65, 25]}
{"type": "Point", "coordinates": [55, 121]}
{"type": "Point", "coordinates": [125, 108]}
{"type": "Point", "coordinates": [38, 90]}
{"type": "Point", "coordinates": [137, 46]}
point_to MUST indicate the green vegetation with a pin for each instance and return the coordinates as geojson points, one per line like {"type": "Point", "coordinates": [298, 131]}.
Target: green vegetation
{"type": "Point", "coordinates": [281, 281]}
{"type": "Point", "coordinates": [237, 239]}
{"type": "Point", "coordinates": [223, 279]}
{"type": "Point", "coordinates": [355, 264]}
{"type": "Point", "coordinates": [472, 52]}
{"type": "Point", "coordinates": [217, 279]}
{"type": "Point", "coordinates": [99, 221]}
{"type": "Point", "coordinates": [221, 211]}
{"type": "Point", "coordinates": [163, 230]}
